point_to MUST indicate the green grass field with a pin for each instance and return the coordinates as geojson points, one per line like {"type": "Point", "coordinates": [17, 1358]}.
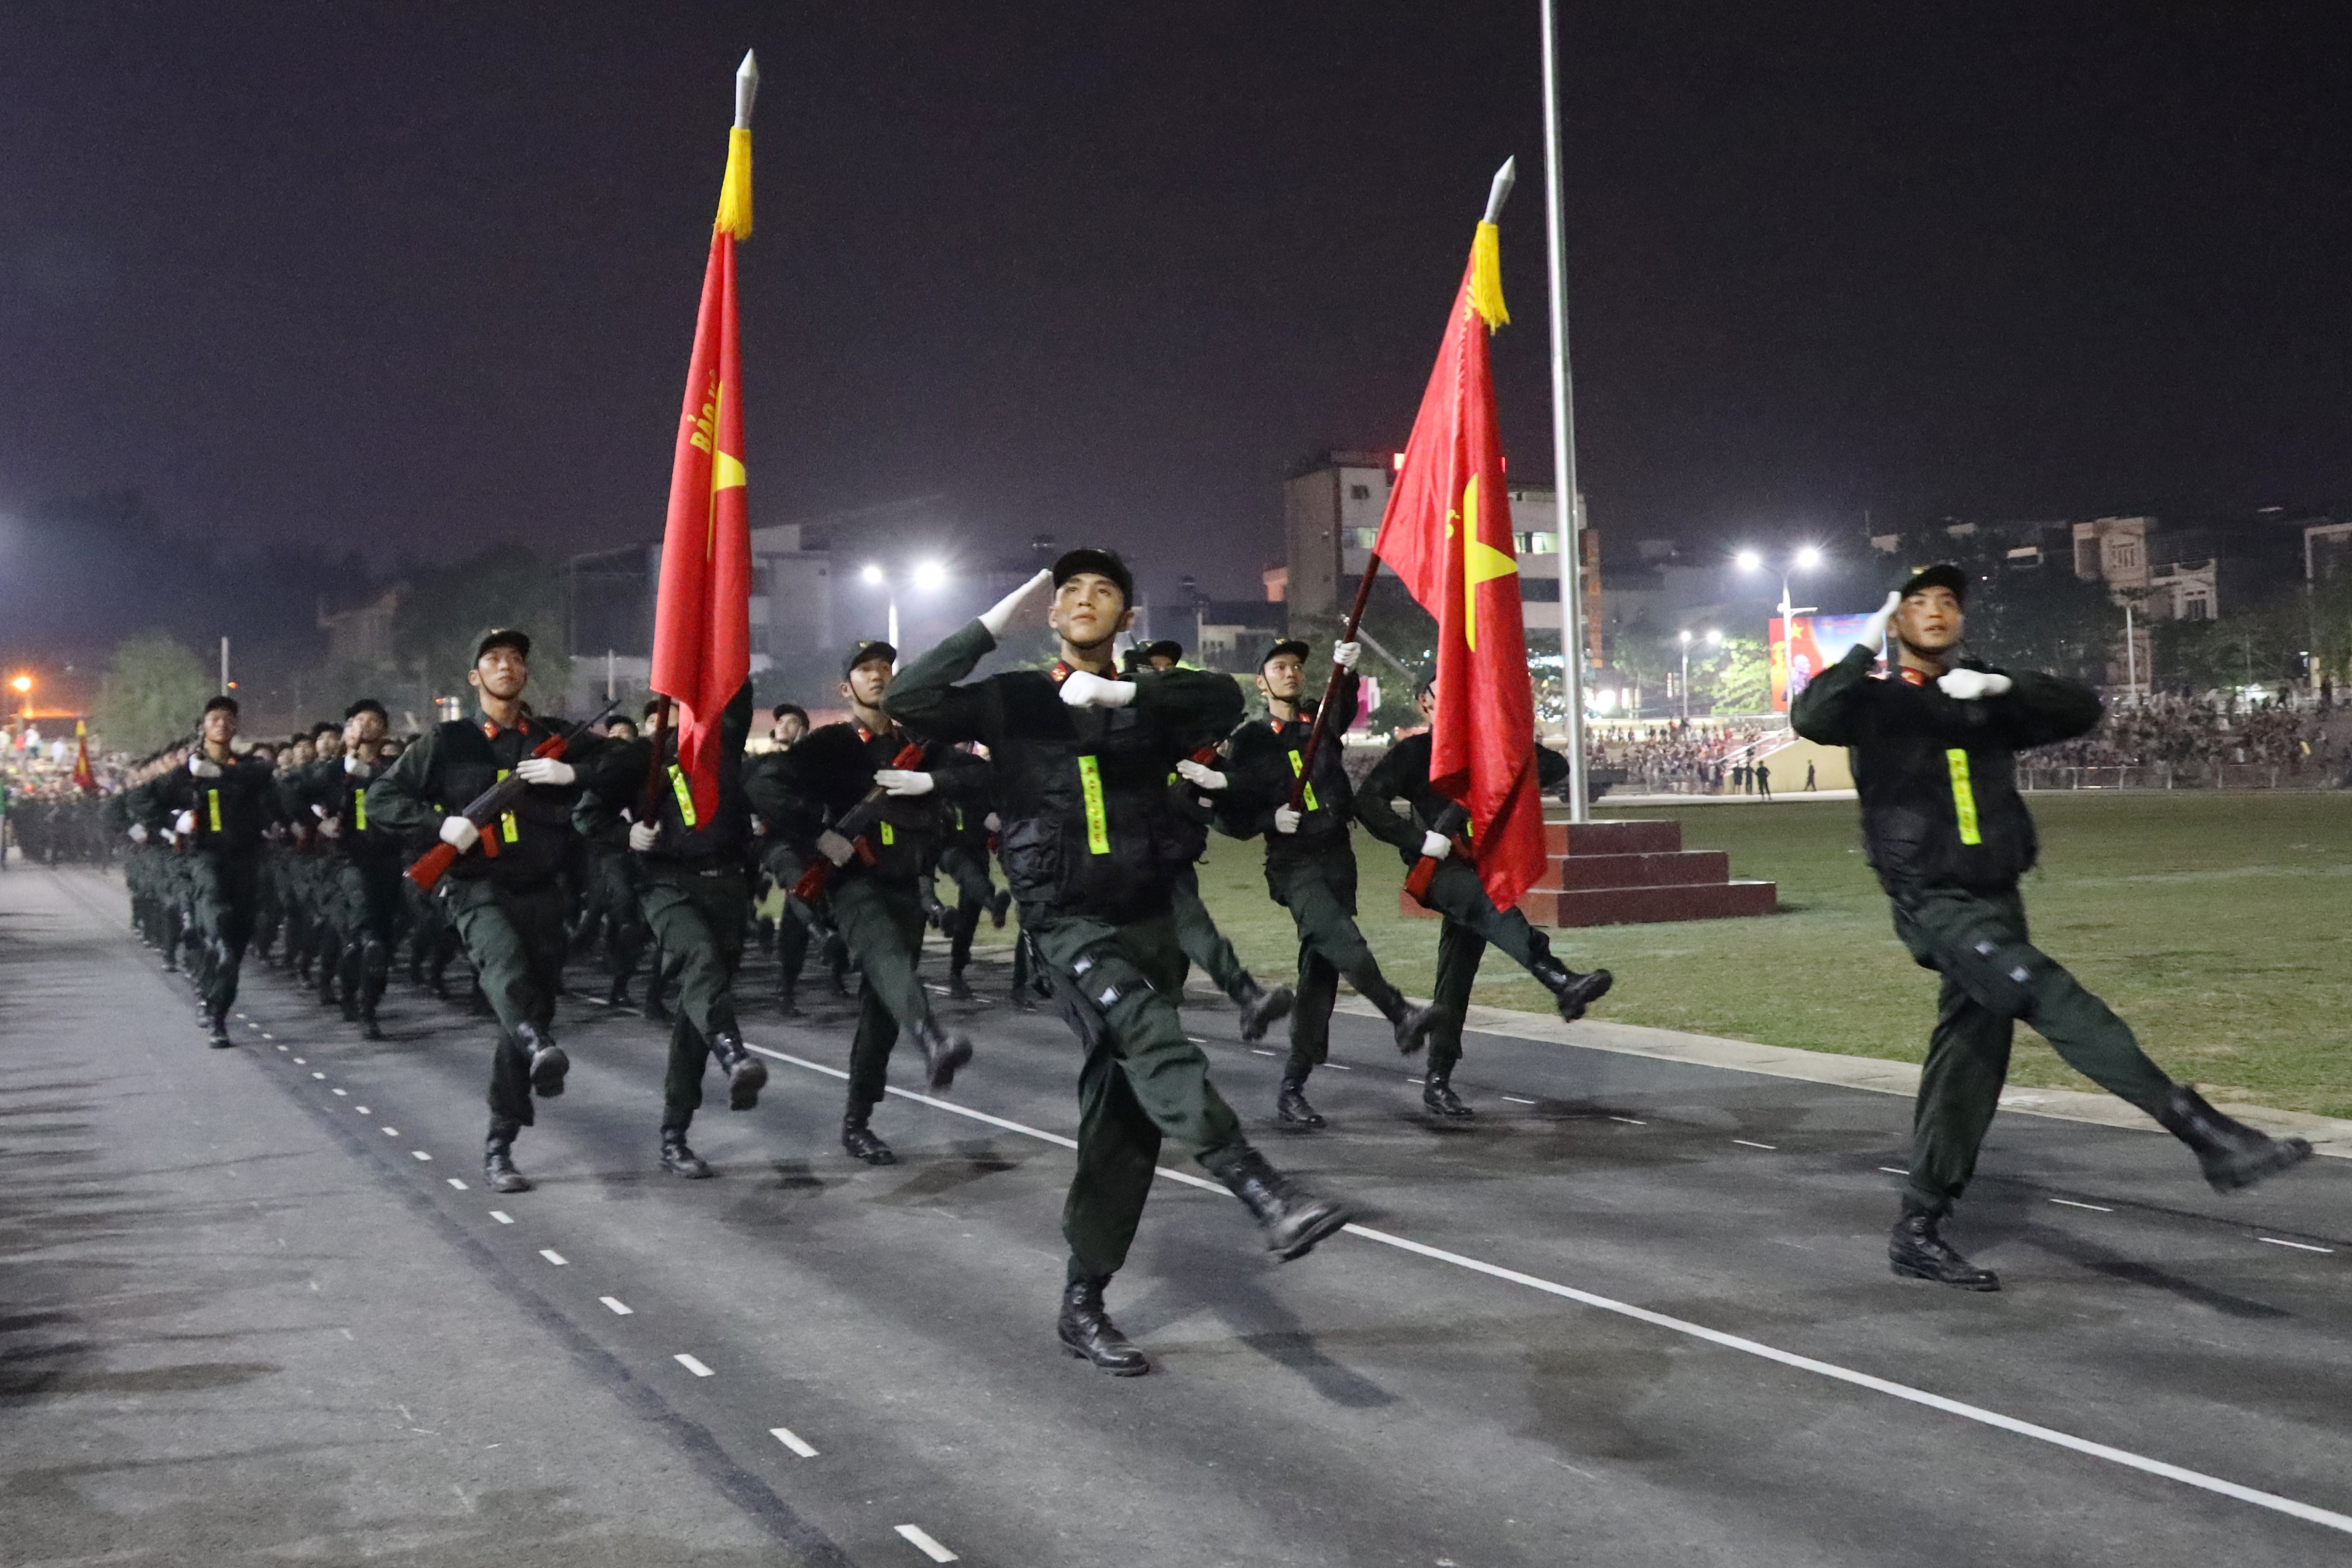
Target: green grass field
{"type": "Point", "coordinates": [2219, 926]}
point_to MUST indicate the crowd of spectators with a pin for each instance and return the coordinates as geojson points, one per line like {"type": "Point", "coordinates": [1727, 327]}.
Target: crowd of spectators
{"type": "Point", "coordinates": [2198, 733]}
{"type": "Point", "coordinates": [1674, 756]}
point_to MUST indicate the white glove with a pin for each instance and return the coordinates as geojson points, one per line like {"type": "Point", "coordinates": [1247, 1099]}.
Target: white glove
{"type": "Point", "coordinates": [138, 833]}
{"type": "Point", "coordinates": [459, 834]}
{"type": "Point", "coordinates": [1200, 774]}
{"type": "Point", "coordinates": [203, 766]}
{"type": "Point", "coordinates": [1972, 685]}
{"type": "Point", "coordinates": [1345, 654]}
{"type": "Point", "coordinates": [185, 823]}
{"type": "Point", "coordinates": [642, 837]}
{"type": "Point", "coordinates": [999, 616]}
{"type": "Point", "coordinates": [1874, 631]}
{"type": "Point", "coordinates": [353, 766]}
{"type": "Point", "coordinates": [834, 847]}
{"type": "Point", "coordinates": [545, 770]}
{"type": "Point", "coordinates": [1286, 819]}
{"type": "Point", "coordinates": [330, 828]}
{"type": "Point", "coordinates": [991, 822]}
{"type": "Point", "coordinates": [1081, 688]}
{"type": "Point", "coordinates": [1435, 847]}
{"type": "Point", "coordinates": [899, 781]}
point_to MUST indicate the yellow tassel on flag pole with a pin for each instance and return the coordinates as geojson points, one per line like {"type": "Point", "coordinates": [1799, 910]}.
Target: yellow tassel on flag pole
{"type": "Point", "coordinates": [1486, 274]}
{"type": "Point", "coordinates": [735, 189]}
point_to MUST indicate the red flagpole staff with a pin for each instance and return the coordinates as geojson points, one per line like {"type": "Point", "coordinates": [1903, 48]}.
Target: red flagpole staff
{"type": "Point", "coordinates": [702, 619]}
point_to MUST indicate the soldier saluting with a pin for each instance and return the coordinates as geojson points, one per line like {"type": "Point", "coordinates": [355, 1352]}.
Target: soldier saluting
{"type": "Point", "coordinates": [506, 899]}
{"type": "Point", "coordinates": [1935, 747]}
{"type": "Point", "coordinates": [1081, 760]}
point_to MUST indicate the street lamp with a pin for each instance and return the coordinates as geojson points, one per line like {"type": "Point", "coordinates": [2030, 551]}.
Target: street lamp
{"type": "Point", "coordinates": [928, 576]}
{"type": "Point", "coordinates": [1807, 558]}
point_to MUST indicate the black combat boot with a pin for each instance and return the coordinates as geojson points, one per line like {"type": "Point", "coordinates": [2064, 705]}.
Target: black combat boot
{"type": "Point", "coordinates": [216, 1021]}
{"type": "Point", "coordinates": [997, 903]}
{"type": "Point", "coordinates": [1412, 1023]}
{"type": "Point", "coordinates": [616, 994]}
{"type": "Point", "coordinates": [1293, 1218]}
{"type": "Point", "coordinates": [935, 913]}
{"type": "Point", "coordinates": [1261, 1009]}
{"type": "Point", "coordinates": [1917, 1252]}
{"type": "Point", "coordinates": [678, 1158]}
{"type": "Point", "coordinates": [1291, 1111]}
{"type": "Point", "coordinates": [747, 1075]}
{"type": "Point", "coordinates": [1086, 1331]}
{"type": "Point", "coordinates": [2231, 1154]}
{"type": "Point", "coordinates": [498, 1172]}
{"type": "Point", "coordinates": [1437, 1094]}
{"type": "Point", "coordinates": [860, 1139]}
{"type": "Point", "coordinates": [958, 988]}
{"type": "Point", "coordinates": [548, 1062]}
{"type": "Point", "coordinates": [944, 1052]}
{"type": "Point", "coordinates": [788, 1003]}
{"type": "Point", "coordinates": [1573, 992]}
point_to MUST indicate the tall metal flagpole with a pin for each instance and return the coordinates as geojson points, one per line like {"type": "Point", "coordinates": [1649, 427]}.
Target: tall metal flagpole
{"type": "Point", "coordinates": [1563, 435]}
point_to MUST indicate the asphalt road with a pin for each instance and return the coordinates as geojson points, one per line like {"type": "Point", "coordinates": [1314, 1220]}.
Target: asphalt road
{"type": "Point", "coordinates": [256, 1304]}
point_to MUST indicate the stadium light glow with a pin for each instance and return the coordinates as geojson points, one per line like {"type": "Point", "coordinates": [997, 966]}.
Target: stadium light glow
{"type": "Point", "coordinates": [1750, 561]}
{"type": "Point", "coordinates": [23, 683]}
{"type": "Point", "coordinates": [871, 575]}
{"type": "Point", "coordinates": [1809, 557]}
{"type": "Point", "coordinates": [930, 577]}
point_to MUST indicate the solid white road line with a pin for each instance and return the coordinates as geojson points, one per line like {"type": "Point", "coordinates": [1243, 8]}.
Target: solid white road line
{"type": "Point", "coordinates": [2298, 1246]}
{"type": "Point", "coordinates": [551, 1256]}
{"type": "Point", "coordinates": [692, 1365]}
{"type": "Point", "coordinates": [420, 1153]}
{"type": "Point", "coordinates": [1751, 1143]}
{"type": "Point", "coordinates": [2069, 1203]}
{"type": "Point", "coordinates": [456, 1183]}
{"type": "Point", "coordinates": [1894, 1169]}
{"type": "Point", "coordinates": [785, 1436]}
{"type": "Point", "coordinates": [502, 1216]}
{"type": "Point", "coordinates": [1920, 1397]}
{"type": "Point", "coordinates": [924, 1545]}
{"type": "Point", "coordinates": [620, 1309]}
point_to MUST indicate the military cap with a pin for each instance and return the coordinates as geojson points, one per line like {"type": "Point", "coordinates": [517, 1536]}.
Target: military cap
{"type": "Point", "coordinates": [861, 652]}
{"type": "Point", "coordinates": [503, 636]}
{"type": "Point", "coordinates": [1287, 645]}
{"type": "Point", "coordinates": [1943, 574]}
{"type": "Point", "coordinates": [1102, 562]}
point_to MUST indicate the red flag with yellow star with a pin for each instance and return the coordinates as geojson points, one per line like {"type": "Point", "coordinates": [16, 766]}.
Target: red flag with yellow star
{"type": "Point", "coordinates": [703, 618]}
{"type": "Point", "coordinates": [1447, 533]}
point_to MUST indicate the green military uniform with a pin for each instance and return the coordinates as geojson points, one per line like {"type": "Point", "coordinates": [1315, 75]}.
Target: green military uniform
{"type": "Point", "coordinates": [694, 893]}
{"type": "Point", "coordinates": [1092, 853]}
{"type": "Point", "coordinates": [1312, 873]}
{"type": "Point", "coordinates": [357, 864]}
{"type": "Point", "coordinates": [963, 860]}
{"type": "Point", "coordinates": [508, 908]}
{"type": "Point", "coordinates": [1948, 836]}
{"type": "Point", "coordinates": [792, 824]}
{"type": "Point", "coordinates": [875, 899]}
{"type": "Point", "coordinates": [1396, 806]}
{"type": "Point", "coordinates": [232, 804]}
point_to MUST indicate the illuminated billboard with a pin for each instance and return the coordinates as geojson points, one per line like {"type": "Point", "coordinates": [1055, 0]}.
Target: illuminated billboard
{"type": "Point", "coordinates": [1804, 647]}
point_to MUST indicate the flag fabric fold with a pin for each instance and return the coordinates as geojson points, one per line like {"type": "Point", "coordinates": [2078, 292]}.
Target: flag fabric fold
{"type": "Point", "coordinates": [1447, 534]}
{"type": "Point", "coordinates": [702, 618]}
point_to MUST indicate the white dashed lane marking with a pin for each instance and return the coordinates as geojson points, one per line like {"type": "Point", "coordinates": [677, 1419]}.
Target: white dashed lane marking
{"type": "Point", "coordinates": [691, 1365]}
{"type": "Point", "coordinates": [1515, 1100]}
{"type": "Point", "coordinates": [392, 1132]}
{"type": "Point", "coordinates": [456, 1183]}
{"type": "Point", "coordinates": [785, 1436]}
{"type": "Point", "coordinates": [1751, 1143]}
{"type": "Point", "coordinates": [345, 1093]}
{"type": "Point", "coordinates": [1260, 1051]}
{"type": "Point", "coordinates": [420, 1154]}
{"type": "Point", "coordinates": [551, 1256]}
{"type": "Point", "coordinates": [317, 1075]}
{"type": "Point", "coordinates": [2069, 1203]}
{"type": "Point", "coordinates": [502, 1216]}
{"type": "Point", "coordinates": [619, 1307]}
{"type": "Point", "coordinates": [2298, 1246]}
{"type": "Point", "coordinates": [1630, 1121]}
{"type": "Point", "coordinates": [361, 1108]}
{"type": "Point", "coordinates": [923, 1543]}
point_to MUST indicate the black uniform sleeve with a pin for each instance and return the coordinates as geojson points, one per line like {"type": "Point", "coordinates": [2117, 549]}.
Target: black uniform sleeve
{"type": "Point", "coordinates": [611, 781]}
{"type": "Point", "coordinates": [1829, 711]}
{"type": "Point", "coordinates": [1551, 768]}
{"type": "Point", "coordinates": [401, 799]}
{"type": "Point", "coordinates": [1385, 788]}
{"type": "Point", "coordinates": [2041, 710]}
{"type": "Point", "coordinates": [1188, 702]}
{"type": "Point", "coordinates": [924, 695]}
{"type": "Point", "coordinates": [1258, 781]}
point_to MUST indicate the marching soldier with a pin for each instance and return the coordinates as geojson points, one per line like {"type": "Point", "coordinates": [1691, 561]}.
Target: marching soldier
{"type": "Point", "coordinates": [361, 860]}
{"type": "Point", "coordinates": [613, 913]}
{"type": "Point", "coordinates": [963, 860]}
{"type": "Point", "coordinates": [1081, 759]}
{"type": "Point", "coordinates": [218, 804]}
{"type": "Point", "coordinates": [1396, 804]}
{"type": "Point", "coordinates": [791, 824]}
{"type": "Point", "coordinates": [1310, 862]}
{"type": "Point", "coordinates": [874, 889]}
{"type": "Point", "coordinates": [1935, 747]}
{"type": "Point", "coordinates": [506, 899]}
{"type": "Point", "coordinates": [696, 898]}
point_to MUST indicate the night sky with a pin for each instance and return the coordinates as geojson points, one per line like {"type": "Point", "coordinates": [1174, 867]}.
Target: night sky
{"type": "Point", "coordinates": [407, 279]}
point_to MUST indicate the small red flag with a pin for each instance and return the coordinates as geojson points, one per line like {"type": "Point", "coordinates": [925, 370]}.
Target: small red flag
{"type": "Point", "coordinates": [1447, 533]}
{"type": "Point", "coordinates": [702, 618]}
{"type": "Point", "coordinates": [84, 777]}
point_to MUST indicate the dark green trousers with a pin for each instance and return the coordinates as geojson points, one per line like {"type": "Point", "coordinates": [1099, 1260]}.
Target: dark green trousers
{"type": "Point", "coordinates": [1994, 976]}
{"type": "Point", "coordinates": [365, 913]}
{"type": "Point", "coordinates": [1321, 898]}
{"type": "Point", "coordinates": [967, 869]}
{"type": "Point", "coordinates": [698, 917]}
{"type": "Point", "coordinates": [784, 867]}
{"type": "Point", "coordinates": [1472, 925]}
{"type": "Point", "coordinates": [515, 938]}
{"type": "Point", "coordinates": [881, 920]}
{"type": "Point", "coordinates": [1141, 1081]}
{"type": "Point", "coordinates": [1204, 943]}
{"type": "Point", "coordinates": [225, 891]}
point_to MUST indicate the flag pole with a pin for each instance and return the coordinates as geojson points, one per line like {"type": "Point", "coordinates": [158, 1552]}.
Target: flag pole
{"type": "Point", "coordinates": [1497, 193]}
{"type": "Point", "coordinates": [1563, 436]}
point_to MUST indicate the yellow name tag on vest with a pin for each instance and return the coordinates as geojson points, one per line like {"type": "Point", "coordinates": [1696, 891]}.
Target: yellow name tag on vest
{"type": "Point", "coordinates": [358, 809]}
{"type": "Point", "coordinates": [1298, 767]}
{"type": "Point", "coordinates": [1964, 796]}
{"type": "Point", "coordinates": [1097, 824]}
{"type": "Point", "coordinates": [212, 799]}
{"type": "Point", "coordinates": [508, 828]}
{"type": "Point", "coordinates": [684, 797]}
{"type": "Point", "coordinates": [888, 837]}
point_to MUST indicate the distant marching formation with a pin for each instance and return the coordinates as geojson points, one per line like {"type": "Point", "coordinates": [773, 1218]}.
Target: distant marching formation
{"type": "Point", "coordinates": [1095, 785]}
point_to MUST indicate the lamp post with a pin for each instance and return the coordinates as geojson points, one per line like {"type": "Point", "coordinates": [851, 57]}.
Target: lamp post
{"type": "Point", "coordinates": [1714, 639]}
{"type": "Point", "coordinates": [1806, 559]}
{"type": "Point", "coordinates": [928, 577]}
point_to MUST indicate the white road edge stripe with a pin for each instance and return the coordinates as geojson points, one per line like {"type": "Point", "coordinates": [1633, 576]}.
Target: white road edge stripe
{"type": "Point", "coordinates": [2124, 1457]}
{"type": "Point", "coordinates": [924, 1545]}
{"type": "Point", "coordinates": [791, 1439]}
{"type": "Point", "coordinates": [2072, 1204]}
{"type": "Point", "coordinates": [1515, 1100]}
{"type": "Point", "coordinates": [691, 1365]}
{"type": "Point", "coordinates": [1751, 1143]}
{"type": "Point", "coordinates": [2298, 1246]}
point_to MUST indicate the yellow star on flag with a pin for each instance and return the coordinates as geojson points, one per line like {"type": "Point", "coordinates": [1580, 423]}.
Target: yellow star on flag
{"type": "Point", "coordinates": [1481, 562]}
